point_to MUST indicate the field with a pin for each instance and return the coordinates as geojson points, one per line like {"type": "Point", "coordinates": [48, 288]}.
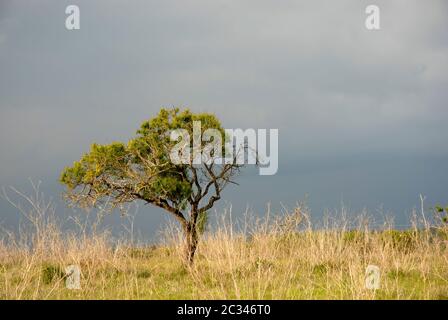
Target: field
{"type": "Point", "coordinates": [279, 257]}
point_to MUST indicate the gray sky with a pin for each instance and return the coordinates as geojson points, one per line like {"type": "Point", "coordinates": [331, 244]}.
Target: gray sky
{"type": "Point", "coordinates": [362, 115]}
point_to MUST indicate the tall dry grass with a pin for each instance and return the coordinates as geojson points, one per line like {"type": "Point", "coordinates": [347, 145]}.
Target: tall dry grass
{"type": "Point", "coordinates": [278, 257]}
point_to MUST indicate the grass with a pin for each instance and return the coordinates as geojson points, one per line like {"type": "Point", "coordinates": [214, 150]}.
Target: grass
{"type": "Point", "coordinates": [277, 258]}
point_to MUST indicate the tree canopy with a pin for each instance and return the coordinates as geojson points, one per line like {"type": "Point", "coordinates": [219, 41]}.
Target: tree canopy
{"type": "Point", "coordinates": [118, 173]}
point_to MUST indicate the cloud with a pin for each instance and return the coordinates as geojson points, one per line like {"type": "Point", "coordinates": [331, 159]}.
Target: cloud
{"type": "Point", "coordinates": [308, 68]}
{"type": "Point", "coordinates": [298, 66]}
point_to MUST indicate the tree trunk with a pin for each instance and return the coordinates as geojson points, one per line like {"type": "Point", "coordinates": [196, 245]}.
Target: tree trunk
{"type": "Point", "coordinates": [192, 242]}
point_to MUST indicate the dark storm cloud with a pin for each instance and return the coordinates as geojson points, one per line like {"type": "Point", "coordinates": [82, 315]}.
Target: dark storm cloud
{"type": "Point", "coordinates": [335, 90]}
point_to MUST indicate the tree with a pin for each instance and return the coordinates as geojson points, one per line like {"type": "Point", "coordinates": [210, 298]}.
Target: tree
{"type": "Point", "coordinates": [441, 213]}
{"type": "Point", "coordinates": [110, 176]}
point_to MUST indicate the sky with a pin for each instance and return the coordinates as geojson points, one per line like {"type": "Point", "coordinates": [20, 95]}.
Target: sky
{"type": "Point", "coordinates": [361, 114]}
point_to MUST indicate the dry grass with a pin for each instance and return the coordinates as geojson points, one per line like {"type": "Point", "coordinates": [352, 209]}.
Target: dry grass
{"type": "Point", "coordinates": [281, 257]}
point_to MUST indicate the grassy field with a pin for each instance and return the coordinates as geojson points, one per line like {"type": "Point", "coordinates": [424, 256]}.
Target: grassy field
{"type": "Point", "coordinates": [277, 258]}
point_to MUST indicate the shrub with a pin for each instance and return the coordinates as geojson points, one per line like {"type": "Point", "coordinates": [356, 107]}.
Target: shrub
{"type": "Point", "coordinates": [51, 273]}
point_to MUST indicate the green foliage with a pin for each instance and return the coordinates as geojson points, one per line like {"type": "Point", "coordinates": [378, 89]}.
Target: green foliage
{"type": "Point", "coordinates": [324, 268]}
{"type": "Point", "coordinates": [51, 273]}
{"type": "Point", "coordinates": [404, 240]}
{"type": "Point", "coordinates": [354, 236]}
{"type": "Point", "coordinates": [442, 212]}
{"type": "Point", "coordinates": [102, 160]}
{"type": "Point", "coordinates": [140, 169]}
{"type": "Point", "coordinates": [403, 274]}
{"type": "Point", "coordinates": [141, 252]}
{"type": "Point", "coordinates": [202, 222]}
{"type": "Point", "coordinates": [145, 274]}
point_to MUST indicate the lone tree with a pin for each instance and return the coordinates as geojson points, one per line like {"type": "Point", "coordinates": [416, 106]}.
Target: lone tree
{"type": "Point", "coordinates": [110, 176]}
